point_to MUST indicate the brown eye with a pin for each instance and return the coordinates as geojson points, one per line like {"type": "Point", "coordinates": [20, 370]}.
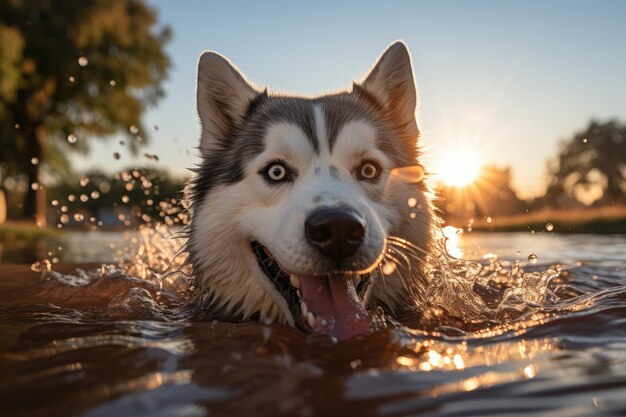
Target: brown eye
{"type": "Point", "coordinates": [276, 172]}
{"type": "Point", "coordinates": [369, 170]}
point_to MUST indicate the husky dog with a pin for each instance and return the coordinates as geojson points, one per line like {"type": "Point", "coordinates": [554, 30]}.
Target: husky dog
{"type": "Point", "coordinates": [298, 213]}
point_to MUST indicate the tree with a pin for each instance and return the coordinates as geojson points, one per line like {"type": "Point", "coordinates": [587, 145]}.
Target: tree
{"type": "Point", "coordinates": [590, 166]}
{"type": "Point", "coordinates": [87, 70]}
{"type": "Point", "coordinates": [491, 194]}
{"type": "Point", "coordinates": [148, 192]}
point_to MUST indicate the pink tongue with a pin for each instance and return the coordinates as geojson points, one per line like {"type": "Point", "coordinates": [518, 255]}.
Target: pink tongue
{"type": "Point", "coordinates": [333, 301]}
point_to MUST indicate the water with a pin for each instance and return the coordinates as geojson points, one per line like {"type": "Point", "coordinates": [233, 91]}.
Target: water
{"type": "Point", "coordinates": [503, 337]}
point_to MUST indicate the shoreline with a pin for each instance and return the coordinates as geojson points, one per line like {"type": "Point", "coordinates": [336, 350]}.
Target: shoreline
{"type": "Point", "coordinates": [596, 220]}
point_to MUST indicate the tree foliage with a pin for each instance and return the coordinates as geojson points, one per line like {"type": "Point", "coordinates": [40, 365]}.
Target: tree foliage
{"type": "Point", "coordinates": [87, 68]}
{"type": "Point", "coordinates": [594, 158]}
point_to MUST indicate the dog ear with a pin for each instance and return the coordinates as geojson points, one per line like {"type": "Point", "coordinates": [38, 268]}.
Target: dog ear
{"type": "Point", "coordinates": [223, 96]}
{"type": "Point", "coordinates": [391, 83]}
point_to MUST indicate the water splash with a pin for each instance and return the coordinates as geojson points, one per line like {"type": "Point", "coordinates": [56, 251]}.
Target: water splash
{"type": "Point", "coordinates": [457, 296]}
{"type": "Point", "coordinates": [155, 255]}
{"type": "Point", "coordinates": [461, 295]}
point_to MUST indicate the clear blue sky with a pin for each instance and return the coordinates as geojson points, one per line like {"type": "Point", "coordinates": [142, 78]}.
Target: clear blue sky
{"type": "Point", "coordinates": [510, 78]}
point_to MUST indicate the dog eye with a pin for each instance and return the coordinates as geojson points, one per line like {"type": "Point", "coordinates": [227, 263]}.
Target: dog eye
{"type": "Point", "coordinates": [277, 172]}
{"type": "Point", "coordinates": [369, 170]}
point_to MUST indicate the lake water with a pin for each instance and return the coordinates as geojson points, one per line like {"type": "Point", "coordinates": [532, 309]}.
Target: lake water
{"type": "Point", "coordinates": [494, 339]}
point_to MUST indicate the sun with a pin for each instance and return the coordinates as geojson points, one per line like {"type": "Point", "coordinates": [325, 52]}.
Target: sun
{"type": "Point", "coordinates": [458, 167]}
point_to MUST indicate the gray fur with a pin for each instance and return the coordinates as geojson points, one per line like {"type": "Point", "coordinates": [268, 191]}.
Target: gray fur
{"type": "Point", "coordinates": [241, 127]}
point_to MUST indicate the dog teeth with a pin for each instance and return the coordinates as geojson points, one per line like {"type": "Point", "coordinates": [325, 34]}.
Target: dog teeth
{"type": "Point", "coordinates": [295, 281]}
{"type": "Point", "coordinates": [304, 308]}
{"type": "Point", "coordinates": [311, 320]}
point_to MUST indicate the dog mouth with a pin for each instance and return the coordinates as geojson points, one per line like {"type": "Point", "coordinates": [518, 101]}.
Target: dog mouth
{"type": "Point", "coordinates": [332, 304]}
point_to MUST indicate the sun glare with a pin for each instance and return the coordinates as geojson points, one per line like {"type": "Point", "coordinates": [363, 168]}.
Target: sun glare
{"type": "Point", "coordinates": [458, 167]}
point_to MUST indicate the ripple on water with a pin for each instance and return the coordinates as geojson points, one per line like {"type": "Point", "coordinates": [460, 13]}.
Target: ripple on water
{"type": "Point", "coordinates": [493, 337]}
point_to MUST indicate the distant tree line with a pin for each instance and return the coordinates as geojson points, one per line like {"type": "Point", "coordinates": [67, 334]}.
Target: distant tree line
{"type": "Point", "coordinates": [71, 71]}
{"type": "Point", "coordinates": [131, 196]}
{"type": "Point", "coordinates": [589, 169]}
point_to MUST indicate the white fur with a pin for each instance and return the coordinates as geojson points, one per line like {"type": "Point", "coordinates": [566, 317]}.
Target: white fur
{"type": "Point", "coordinates": [249, 210]}
{"type": "Point", "coordinates": [274, 216]}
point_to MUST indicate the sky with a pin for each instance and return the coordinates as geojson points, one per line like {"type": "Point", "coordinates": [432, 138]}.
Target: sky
{"type": "Point", "coordinates": [508, 80]}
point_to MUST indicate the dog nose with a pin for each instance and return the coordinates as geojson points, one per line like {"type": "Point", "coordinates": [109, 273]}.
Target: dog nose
{"type": "Point", "coordinates": [335, 232]}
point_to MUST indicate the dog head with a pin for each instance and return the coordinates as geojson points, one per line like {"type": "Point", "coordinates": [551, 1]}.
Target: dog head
{"type": "Point", "coordinates": [295, 203]}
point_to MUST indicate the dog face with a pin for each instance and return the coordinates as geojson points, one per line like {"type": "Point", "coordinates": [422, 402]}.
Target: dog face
{"type": "Point", "coordinates": [296, 200]}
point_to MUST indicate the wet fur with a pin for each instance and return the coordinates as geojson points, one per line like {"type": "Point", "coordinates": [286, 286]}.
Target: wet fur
{"type": "Point", "coordinates": [226, 204]}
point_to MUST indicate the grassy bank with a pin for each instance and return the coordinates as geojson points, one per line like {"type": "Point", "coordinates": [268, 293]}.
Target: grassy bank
{"type": "Point", "coordinates": [605, 220]}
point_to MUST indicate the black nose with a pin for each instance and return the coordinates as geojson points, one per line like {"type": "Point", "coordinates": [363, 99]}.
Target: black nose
{"type": "Point", "coordinates": [335, 232]}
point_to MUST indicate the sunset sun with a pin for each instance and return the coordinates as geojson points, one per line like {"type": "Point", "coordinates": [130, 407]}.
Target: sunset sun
{"type": "Point", "coordinates": [458, 167]}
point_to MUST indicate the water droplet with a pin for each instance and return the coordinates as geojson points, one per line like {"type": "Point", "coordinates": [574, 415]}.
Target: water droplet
{"type": "Point", "coordinates": [34, 161]}
{"type": "Point", "coordinates": [133, 129]}
{"type": "Point", "coordinates": [71, 197]}
{"type": "Point", "coordinates": [112, 83]}
{"type": "Point", "coordinates": [72, 79]}
{"type": "Point", "coordinates": [389, 268]}
{"type": "Point", "coordinates": [79, 217]}
{"type": "Point", "coordinates": [83, 61]}
{"type": "Point", "coordinates": [412, 202]}
{"type": "Point", "coordinates": [585, 140]}
{"type": "Point", "coordinates": [116, 155]}
{"type": "Point", "coordinates": [64, 218]}
{"type": "Point", "coordinates": [532, 258]}
{"type": "Point", "coordinates": [35, 186]}
{"type": "Point", "coordinates": [125, 199]}
{"type": "Point", "coordinates": [83, 181]}
{"type": "Point", "coordinates": [266, 332]}
{"type": "Point", "coordinates": [55, 202]}
{"type": "Point", "coordinates": [489, 219]}
{"type": "Point", "coordinates": [95, 195]}
{"type": "Point", "coordinates": [17, 126]}
{"type": "Point", "coordinates": [71, 138]}
{"type": "Point", "coordinates": [549, 227]}
{"type": "Point", "coordinates": [84, 198]}
{"type": "Point", "coordinates": [355, 363]}
{"type": "Point", "coordinates": [518, 253]}
{"type": "Point", "coordinates": [412, 215]}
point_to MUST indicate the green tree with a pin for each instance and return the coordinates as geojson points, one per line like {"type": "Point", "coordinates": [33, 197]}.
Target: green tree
{"type": "Point", "coordinates": [74, 69]}
{"type": "Point", "coordinates": [594, 159]}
